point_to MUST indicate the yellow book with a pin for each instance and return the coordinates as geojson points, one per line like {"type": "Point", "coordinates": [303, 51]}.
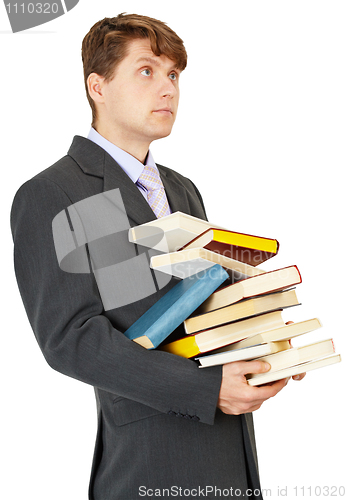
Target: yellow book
{"type": "Point", "coordinates": [243, 247]}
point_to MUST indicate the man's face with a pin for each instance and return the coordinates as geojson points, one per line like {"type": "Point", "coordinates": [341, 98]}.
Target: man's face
{"type": "Point", "coordinates": [141, 101]}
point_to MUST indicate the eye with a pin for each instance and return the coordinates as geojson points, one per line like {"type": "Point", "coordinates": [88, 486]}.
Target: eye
{"type": "Point", "coordinates": [146, 72]}
{"type": "Point", "coordinates": [173, 76]}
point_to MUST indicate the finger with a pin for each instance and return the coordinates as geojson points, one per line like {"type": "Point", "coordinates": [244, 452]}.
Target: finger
{"type": "Point", "coordinates": [247, 367]}
{"type": "Point", "coordinates": [299, 377]}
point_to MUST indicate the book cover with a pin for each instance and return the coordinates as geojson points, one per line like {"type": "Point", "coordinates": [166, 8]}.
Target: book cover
{"type": "Point", "coordinates": [169, 233]}
{"type": "Point", "coordinates": [187, 262]}
{"type": "Point", "coordinates": [268, 282]}
{"type": "Point", "coordinates": [243, 309]}
{"type": "Point", "coordinates": [246, 354]}
{"type": "Point", "coordinates": [277, 334]}
{"type": "Point", "coordinates": [215, 338]}
{"type": "Point", "coordinates": [265, 378]}
{"type": "Point", "coordinates": [174, 307]}
{"type": "Point", "coordinates": [297, 355]}
{"type": "Point", "coordinates": [252, 250]}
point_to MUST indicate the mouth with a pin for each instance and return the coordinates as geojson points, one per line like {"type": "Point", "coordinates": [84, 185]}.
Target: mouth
{"type": "Point", "coordinates": [164, 111]}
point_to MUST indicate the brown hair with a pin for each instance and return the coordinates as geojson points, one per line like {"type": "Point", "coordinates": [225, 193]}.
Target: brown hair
{"type": "Point", "coordinates": [107, 41]}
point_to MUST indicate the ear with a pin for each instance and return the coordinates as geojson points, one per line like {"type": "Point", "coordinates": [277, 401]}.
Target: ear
{"type": "Point", "coordinates": [95, 87]}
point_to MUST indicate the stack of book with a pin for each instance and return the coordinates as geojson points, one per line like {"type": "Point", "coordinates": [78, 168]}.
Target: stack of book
{"type": "Point", "coordinates": [231, 309]}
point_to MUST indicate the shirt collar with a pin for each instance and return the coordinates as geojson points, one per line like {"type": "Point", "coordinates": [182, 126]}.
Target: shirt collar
{"type": "Point", "coordinates": [131, 166]}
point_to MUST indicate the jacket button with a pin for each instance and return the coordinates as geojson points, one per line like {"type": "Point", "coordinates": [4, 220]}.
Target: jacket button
{"type": "Point", "coordinates": [195, 418]}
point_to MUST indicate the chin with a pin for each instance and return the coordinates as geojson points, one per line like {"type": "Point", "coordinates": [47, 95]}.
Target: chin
{"type": "Point", "coordinates": [163, 132]}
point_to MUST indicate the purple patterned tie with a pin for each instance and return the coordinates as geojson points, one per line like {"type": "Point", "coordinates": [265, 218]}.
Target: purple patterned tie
{"type": "Point", "coordinates": [156, 195]}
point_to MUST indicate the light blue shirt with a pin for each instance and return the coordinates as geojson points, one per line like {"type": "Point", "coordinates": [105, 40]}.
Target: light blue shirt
{"type": "Point", "coordinates": [131, 166]}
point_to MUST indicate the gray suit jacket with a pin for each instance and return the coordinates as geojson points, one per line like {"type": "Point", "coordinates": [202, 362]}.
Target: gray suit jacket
{"type": "Point", "coordinates": [158, 426]}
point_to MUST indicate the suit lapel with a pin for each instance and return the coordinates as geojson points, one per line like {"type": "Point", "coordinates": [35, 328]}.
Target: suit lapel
{"type": "Point", "coordinates": [95, 161]}
{"type": "Point", "coordinates": [176, 194]}
{"type": "Point", "coordinates": [136, 207]}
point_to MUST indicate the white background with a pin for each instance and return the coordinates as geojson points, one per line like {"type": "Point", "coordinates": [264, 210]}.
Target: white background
{"type": "Point", "coordinates": [262, 132]}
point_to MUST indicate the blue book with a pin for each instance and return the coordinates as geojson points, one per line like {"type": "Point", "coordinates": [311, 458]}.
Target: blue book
{"type": "Point", "coordinates": [175, 306]}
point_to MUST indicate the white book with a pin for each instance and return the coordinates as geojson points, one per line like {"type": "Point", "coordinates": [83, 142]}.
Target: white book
{"type": "Point", "coordinates": [169, 233]}
{"type": "Point", "coordinates": [298, 355]}
{"type": "Point", "coordinates": [191, 261]}
{"type": "Point", "coordinates": [285, 332]}
{"type": "Point", "coordinates": [265, 378]}
{"type": "Point", "coordinates": [240, 354]}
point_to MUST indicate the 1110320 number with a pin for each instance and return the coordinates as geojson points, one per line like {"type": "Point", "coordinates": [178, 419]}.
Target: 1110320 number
{"type": "Point", "coordinates": [31, 8]}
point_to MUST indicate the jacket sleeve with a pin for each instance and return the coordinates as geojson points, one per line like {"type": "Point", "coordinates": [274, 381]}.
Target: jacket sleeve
{"type": "Point", "coordinates": [76, 338]}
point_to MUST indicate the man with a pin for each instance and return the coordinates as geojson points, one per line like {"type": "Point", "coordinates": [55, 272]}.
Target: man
{"type": "Point", "coordinates": [163, 424]}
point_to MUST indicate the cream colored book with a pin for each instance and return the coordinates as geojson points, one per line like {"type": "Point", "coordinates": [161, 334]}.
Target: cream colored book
{"type": "Point", "coordinates": [169, 233]}
{"type": "Point", "coordinates": [241, 310]}
{"type": "Point", "coordinates": [298, 355]}
{"type": "Point", "coordinates": [265, 378]}
{"type": "Point", "coordinates": [285, 332]}
{"type": "Point", "coordinates": [269, 282]}
{"type": "Point", "coordinates": [185, 263]}
{"type": "Point", "coordinates": [245, 354]}
{"type": "Point", "coordinates": [214, 338]}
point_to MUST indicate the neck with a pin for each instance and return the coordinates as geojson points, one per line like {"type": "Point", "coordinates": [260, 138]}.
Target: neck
{"type": "Point", "coordinates": [132, 146]}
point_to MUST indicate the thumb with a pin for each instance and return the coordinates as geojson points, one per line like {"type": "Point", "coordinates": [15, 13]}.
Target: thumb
{"type": "Point", "coordinates": [256, 367]}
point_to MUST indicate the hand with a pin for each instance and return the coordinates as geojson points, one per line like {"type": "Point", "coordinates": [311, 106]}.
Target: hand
{"type": "Point", "coordinates": [236, 396]}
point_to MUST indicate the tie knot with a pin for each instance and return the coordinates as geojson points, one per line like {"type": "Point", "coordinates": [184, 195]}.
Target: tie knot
{"type": "Point", "coordinates": [150, 178]}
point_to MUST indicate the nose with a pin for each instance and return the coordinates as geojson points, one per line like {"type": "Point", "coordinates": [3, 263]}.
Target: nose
{"type": "Point", "coordinates": [169, 88]}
